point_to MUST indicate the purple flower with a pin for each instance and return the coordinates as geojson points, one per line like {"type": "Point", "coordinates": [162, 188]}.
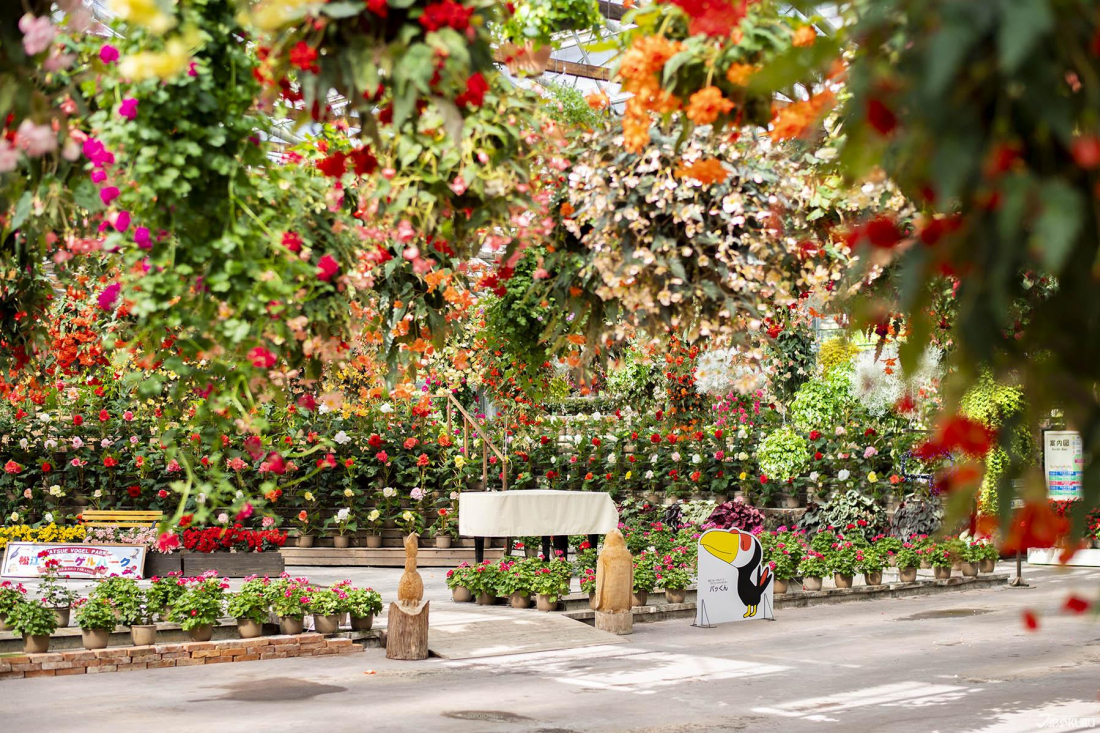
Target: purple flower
{"type": "Point", "coordinates": [128, 108]}
{"type": "Point", "coordinates": [108, 297]}
{"type": "Point", "coordinates": [108, 54]}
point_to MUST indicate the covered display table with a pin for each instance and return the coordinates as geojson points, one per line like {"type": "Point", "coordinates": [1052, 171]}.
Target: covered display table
{"type": "Point", "coordinates": [539, 512]}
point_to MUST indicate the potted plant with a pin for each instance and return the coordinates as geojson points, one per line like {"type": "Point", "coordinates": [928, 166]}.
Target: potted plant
{"type": "Point", "coordinates": [842, 564]}
{"type": "Point", "coordinates": [289, 598]}
{"type": "Point", "coordinates": [459, 580]}
{"type": "Point", "coordinates": [408, 522]}
{"type": "Point", "coordinates": [305, 524]}
{"type": "Point", "coordinates": [674, 575]}
{"type": "Point", "coordinates": [812, 568]}
{"type": "Point", "coordinates": [784, 564]}
{"type": "Point", "coordinates": [588, 585]}
{"type": "Point", "coordinates": [907, 559]}
{"type": "Point", "coordinates": [249, 606]}
{"type": "Point", "coordinates": [888, 548]}
{"type": "Point", "coordinates": [34, 621]}
{"type": "Point", "coordinates": [327, 607]}
{"type": "Point", "coordinates": [11, 594]}
{"type": "Point", "coordinates": [198, 608]}
{"type": "Point", "coordinates": [116, 589]}
{"type": "Point", "coordinates": [645, 578]}
{"type": "Point", "coordinates": [363, 605]}
{"type": "Point", "coordinates": [987, 562]}
{"type": "Point", "coordinates": [96, 619]}
{"type": "Point", "coordinates": [374, 529]}
{"type": "Point", "coordinates": [442, 529]}
{"type": "Point", "coordinates": [870, 562]}
{"type": "Point", "coordinates": [164, 591]}
{"type": "Point", "coordinates": [548, 587]}
{"type": "Point", "coordinates": [344, 522]}
{"type": "Point", "coordinates": [483, 583]}
{"type": "Point", "coordinates": [972, 554]}
{"type": "Point", "coordinates": [135, 611]}
{"type": "Point", "coordinates": [514, 582]}
{"type": "Point", "coordinates": [942, 561]}
{"type": "Point", "coordinates": [55, 595]}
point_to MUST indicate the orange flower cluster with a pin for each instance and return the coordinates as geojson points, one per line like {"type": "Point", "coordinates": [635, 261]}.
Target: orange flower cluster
{"type": "Point", "coordinates": [640, 71]}
{"type": "Point", "coordinates": [707, 171]}
{"type": "Point", "coordinates": [740, 74]}
{"type": "Point", "coordinates": [792, 120]}
{"type": "Point", "coordinates": [707, 105]}
{"type": "Point", "coordinates": [804, 37]}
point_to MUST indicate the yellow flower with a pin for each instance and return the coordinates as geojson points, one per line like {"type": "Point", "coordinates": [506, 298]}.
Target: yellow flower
{"type": "Point", "coordinates": [460, 461]}
{"type": "Point", "coordinates": [629, 474]}
{"type": "Point", "coordinates": [349, 493]}
{"type": "Point", "coordinates": [743, 476]}
{"type": "Point", "coordinates": [872, 477]}
{"type": "Point", "coordinates": [309, 496]}
{"type": "Point", "coordinates": [146, 13]}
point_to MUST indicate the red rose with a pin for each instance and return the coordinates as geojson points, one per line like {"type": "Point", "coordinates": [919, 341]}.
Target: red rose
{"type": "Point", "coordinates": [134, 492]}
{"type": "Point", "coordinates": [46, 467]}
{"type": "Point", "coordinates": [78, 420]}
{"type": "Point", "coordinates": [814, 435]}
{"type": "Point", "coordinates": [104, 416]}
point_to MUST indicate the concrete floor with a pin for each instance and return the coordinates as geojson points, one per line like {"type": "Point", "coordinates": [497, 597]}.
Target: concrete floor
{"type": "Point", "coordinates": [951, 662]}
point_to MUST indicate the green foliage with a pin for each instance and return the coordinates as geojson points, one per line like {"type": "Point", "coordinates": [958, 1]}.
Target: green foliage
{"type": "Point", "coordinates": [870, 560]}
{"type": "Point", "coordinates": [200, 605]}
{"type": "Point", "coordinates": [822, 403]}
{"type": "Point", "coordinates": [32, 618]}
{"type": "Point", "coordinates": [570, 109]}
{"type": "Point", "coordinates": [916, 515]}
{"type": "Point", "coordinates": [813, 565]}
{"type": "Point", "coordinates": [842, 561]}
{"type": "Point", "coordinates": [328, 602]}
{"type": "Point", "coordinates": [11, 595]}
{"type": "Point", "coordinates": [538, 20]}
{"type": "Point", "coordinates": [790, 353]}
{"type": "Point", "coordinates": [836, 352]}
{"type": "Point", "coordinates": [645, 574]}
{"type": "Point", "coordinates": [460, 576]}
{"type": "Point", "coordinates": [635, 380]}
{"type": "Point", "coordinates": [164, 591]}
{"type": "Point", "coordinates": [853, 514]}
{"type": "Point", "coordinates": [783, 454]}
{"type": "Point", "coordinates": [134, 609]}
{"type": "Point", "coordinates": [96, 614]}
{"type": "Point", "coordinates": [363, 602]}
{"type": "Point", "coordinates": [907, 557]}
{"type": "Point", "coordinates": [1002, 407]}
{"type": "Point", "coordinates": [250, 602]}
{"type": "Point", "coordinates": [514, 325]}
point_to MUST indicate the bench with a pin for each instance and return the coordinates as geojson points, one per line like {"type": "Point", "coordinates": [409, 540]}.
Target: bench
{"type": "Point", "coordinates": [127, 519]}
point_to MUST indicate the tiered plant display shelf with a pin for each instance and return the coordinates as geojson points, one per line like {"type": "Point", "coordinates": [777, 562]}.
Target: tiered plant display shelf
{"type": "Point", "coordinates": [386, 557]}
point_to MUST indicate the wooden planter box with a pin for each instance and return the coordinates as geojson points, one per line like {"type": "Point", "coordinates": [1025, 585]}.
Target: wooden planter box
{"type": "Point", "coordinates": [160, 565]}
{"type": "Point", "coordinates": [232, 564]}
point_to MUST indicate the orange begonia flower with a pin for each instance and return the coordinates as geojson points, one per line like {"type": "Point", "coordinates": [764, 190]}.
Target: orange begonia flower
{"type": "Point", "coordinates": [707, 105]}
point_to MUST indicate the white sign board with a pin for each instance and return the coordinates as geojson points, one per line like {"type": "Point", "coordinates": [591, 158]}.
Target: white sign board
{"type": "Point", "coordinates": [733, 584]}
{"type": "Point", "coordinates": [1064, 459]}
{"type": "Point", "coordinates": [28, 560]}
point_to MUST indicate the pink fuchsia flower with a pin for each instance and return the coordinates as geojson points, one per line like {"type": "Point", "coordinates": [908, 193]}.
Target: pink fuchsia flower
{"type": "Point", "coordinates": [38, 33]}
{"type": "Point", "coordinates": [142, 238]}
{"type": "Point", "coordinates": [327, 268]}
{"type": "Point", "coordinates": [108, 54]}
{"type": "Point", "coordinates": [95, 151]}
{"type": "Point", "coordinates": [108, 296]}
{"type": "Point", "coordinates": [128, 108]}
{"type": "Point", "coordinates": [35, 140]}
{"type": "Point", "coordinates": [245, 512]}
{"type": "Point", "coordinates": [108, 194]}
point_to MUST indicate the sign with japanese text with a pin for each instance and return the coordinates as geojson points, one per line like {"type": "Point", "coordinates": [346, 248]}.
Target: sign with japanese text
{"type": "Point", "coordinates": [28, 560]}
{"type": "Point", "coordinates": [1064, 460]}
{"type": "Point", "coordinates": [734, 582]}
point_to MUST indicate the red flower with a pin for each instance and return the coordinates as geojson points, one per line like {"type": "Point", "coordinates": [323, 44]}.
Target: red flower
{"type": "Point", "coordinates": [374, 440]}
{"type": "Point", "coordinates": [78, 420]}
{"type": "Point", "coordinates": [814, 435]}
{"type": "Point", "coordinates": [655, 439]}
{"type": "Point", "coordinates": [46, 467]}
{"type": "Point", "coordinates": [378, 7]}
{"type": "Point", "coordinates": [423, 460]}
{"type": "Point", "coordinates": [1031, 621]}
{"type": "Point", "coordinates": [446, 14]}
{"type": "Point", "coordinates": [168, 541]}
{"type": "Point", "coordinates": [763, 479]}
{"type": "Point", "coordinates": [110, 462]}
{"type": "Point", "coordinates": [881, 117]}
{"type": "Point", "coordinates": [292, 241]}
{"type": "Point", "coordinates": [134, 492]}
{"type": "Point", "coordinates": [410, 443]}
{"type": "Point", "coordinates": [363, 161]}
{"type": "Point", "coordinates": [12, 467]}
{"type": "Point", "coordinates": [818, 456]}
{"type": "Point", "coordinates": [185, 520]}
{"type": "Point", "coordinates": [882, 232]}
{"type": "Point", "coordinates": [476, 87]}
{"type": "Point", "coordinates": [162, 494]}
{"type": "Point", "coordinates": [303, 56]}
{"type": "Point", "coordinates": [1086, 151]}
{"type": "Point", "coordinates": [596, 442]}
{"type": "Point", "coordinates": [262, 358]}
{"type": "Point", "coordinates": [327, 267]}
{"type": "Point", "coordinates": [333, 166]}
{"type": "Point", "coordinates": [104, 416]}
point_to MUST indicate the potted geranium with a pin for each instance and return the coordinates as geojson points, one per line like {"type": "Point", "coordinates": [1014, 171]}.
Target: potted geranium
{"type": "Point", "coordinates": [363, 605]}
{"type": "Point", "coordinates": [289, 599]}
{"type": "Point", "coordinates": [674, 576]}
{"type": "Point", "coordinates": [11, 594]}
{"type": "Point", "coordinates": [442, 529]}
{"type": "Point", "coordinates": [812, 568]}
{"type": "Point", "coordinates": [972, 554]}
{"type": "Point", "coordinates": [588, 585]}
{"type": "Point", "coordinates": [199, 607]}
{"type": "Point", "coordinates": [483, 583]}
{"type": "Point", "coordinates": [514, 582]}
{"type": "Point", "coordinates": [164, 591]}
{"type": "Point", "coordinates": [907, 559]}
{"type": "Point", "coordinates": [249, 606]}
{"type": "Point", "coordinates": [459, 581]}
{"type": "Point", "coordinates": [55, 595]}
{"type": "Point", "coordinates": [942, 560]}
{"type": "Point", "coordinates": [328, 606]}
{"type": "Point", "coordinates": [888, 547]}
{"type": "Point", "coordinates": [34, 621]}
{"type": "Point", "coordinates": [548, 587]}
{"type": "Point", "coordinates": [344, 522]}
{"type": "Point", "coordinates": [987, 560]}
{"type": "Point", "coordinates": [306, 520]}
{"type": "Point", "coordinates": [135, 611]}
{"type": "Point", "coordinates": [842, 564]}
{"type": "Point", "coordinates": [96, 619]}
{"type": "Point", "coordinates": [784, 564]}
{"type": "Point", "coordinates": [870, 562]}
{"type": "Point", "coordinates": [374, 529]}
{"type": "Point", "coordinates": [117, 589]}
{"type": "Point", "coordinates": [645, 578]}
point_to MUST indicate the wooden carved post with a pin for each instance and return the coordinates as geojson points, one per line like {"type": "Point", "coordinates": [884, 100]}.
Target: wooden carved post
{"type": "Point", "coordinates": [407, 622]}
{"type": "Point", "coordinates": [615, 586]}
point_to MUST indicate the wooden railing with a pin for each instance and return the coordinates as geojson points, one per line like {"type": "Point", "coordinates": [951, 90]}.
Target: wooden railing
{"type": "Point", "coordinates": [486, 444]}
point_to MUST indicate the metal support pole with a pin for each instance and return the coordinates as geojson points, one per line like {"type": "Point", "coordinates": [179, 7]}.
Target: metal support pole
{"type": "Point", "coordinates": [1018, 581]}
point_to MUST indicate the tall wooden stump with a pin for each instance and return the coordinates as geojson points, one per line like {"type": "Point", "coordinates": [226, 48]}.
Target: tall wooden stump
{"type": "Point", "coordinates": [407, 631]}
{"type": "Point", "coordinates": [619, 622]}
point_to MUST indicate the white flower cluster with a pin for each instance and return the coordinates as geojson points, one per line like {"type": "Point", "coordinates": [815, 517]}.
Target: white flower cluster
{"type": "Point", "coordinates": [878, 384]}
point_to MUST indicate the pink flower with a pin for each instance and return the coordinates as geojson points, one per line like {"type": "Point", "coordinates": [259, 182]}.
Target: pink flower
{"type": "Point", "coordinates": [168, 541]}
{"type": "Point", "coordinates": [142, 239]}
{"type": "Point", "coordinates": [108, 296]}
{"type": "Point", "coordinates": [108, 54]}
{"type": "Point", "coordinates": [122, 221]}
{"type": "Point", "coordinates": [173, 466]}
{"type": "Point", "coordinates": [35, 140]}
{"type": "Point", "coordinates": [108, 194]}
{"type": "Point", "coordinates": [327, 268]}
{"type": "Point", "coordinates": [128, 108]}
{"type": "Point", "coordinates": [38, 33]}
{"type": "Point", "coordinates": [99, 175]}
{"type": "Point", "coordinates": [459, 186]}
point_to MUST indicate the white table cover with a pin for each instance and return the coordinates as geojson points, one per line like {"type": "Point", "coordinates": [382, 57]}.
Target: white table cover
{"type": "Point", "coordinates": [535, 512]}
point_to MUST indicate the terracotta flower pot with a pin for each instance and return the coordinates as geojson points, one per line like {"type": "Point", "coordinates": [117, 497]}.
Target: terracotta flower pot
{"type": "Point", "coordinates": [486, 599]}
{"type": "Point", "coordinates": [925, 565]}
{"type": "Point", "coordinates": [341, 541]}
{"type": "Point", "coordinates": [675, 595]}
{"type": "Point", "coordinates": [201, 633]}
{"type": "Point", "coordinates": [362, 623]}
{"type": "Point", "coordinates": [143, 635]}
{"type": "Point", "coordinates": [810, 583]}
{"type": "Point", "coordinates": [374, 541]}
{"type": "Point", "coordinates": [95, 638]}
{"type": "Point", "coordinates": [520, 600]}
{"type": "Point", "coordinates": [907, 575]}
{"type": "Point", "coordinates": [305, 540]}
{"type": "Point", "coordinates": [987, 566]}
{"type": "Point", "coordinates": [62, 616]}
{"type": "Point", "coordinates": [842, 581]}
{"type": "Point", "coordinates": [443, 542]}
{"type": "Point", "coordinates": [943, 573]}
{"type": "Point", "coordinates": [640, 597]}
{"type": "Point", "coordinates": [957, 565]}
{"type": "Point", "coordinates": [461, 594]}
{"type": "Point", "coordinates": [874, 578]}
{"type": "Point", "coordinates": [4, 623]}
{"type": "Point", "coordinates": [592, 601]}
{"type": "Point", "coordinates": [326, 624]}
{"type": "Point", "coordinates": [969, 569]}
{"type": "Point", "coordinates": [780, 586]}
{"type": "Point", "coordinates": [290, 625]}
{"type": "Point", "coordinates": [37, 644]}
{"type": "Point", "coordinates": [545, 604]}
{"type": "Point", "coordinates": [249, 629]}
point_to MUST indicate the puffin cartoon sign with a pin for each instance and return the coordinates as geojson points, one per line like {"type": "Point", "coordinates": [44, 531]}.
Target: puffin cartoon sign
{"type": "Point", "coordinates": [732, 584]}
